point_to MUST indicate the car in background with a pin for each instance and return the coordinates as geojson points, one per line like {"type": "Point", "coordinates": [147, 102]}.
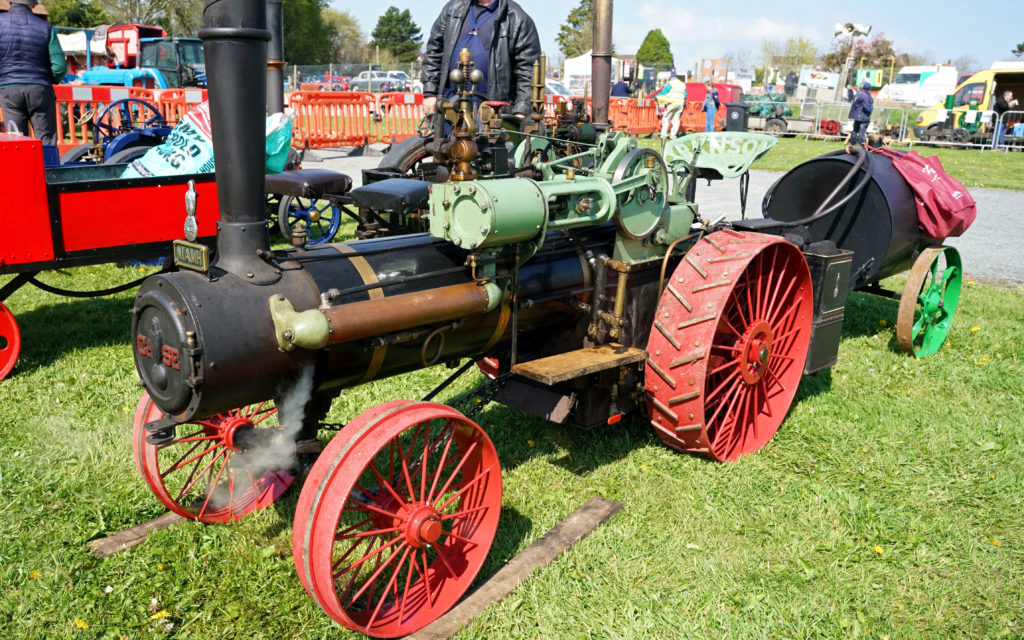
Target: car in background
{"type": "Point", "coordinates": [555, 88]}
{"type": "Point", "coordinates": [375, 81]}
{"type": "Point", "coordinates": [399, 81]}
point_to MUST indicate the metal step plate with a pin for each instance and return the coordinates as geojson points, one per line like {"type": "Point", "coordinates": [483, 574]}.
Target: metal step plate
{"type": "Point", "coordinates": [574, 364]}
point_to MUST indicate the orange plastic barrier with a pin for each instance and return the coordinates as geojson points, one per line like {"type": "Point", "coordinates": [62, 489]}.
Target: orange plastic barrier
{"type": "Point", "coordinates": [551, 103]}
{"type": "Point", "coordinates": [638, 116]}
{"type": "Point", "coordinates": [175, 103]}
{"type": "Point", "coordinates": [399, 115]}
{"type": "Point", "coordinates": [78, 106]}
{"type": "Point", "coordinates": [333, 118]}
{"type": "Point", "coordinates": [693, 118]}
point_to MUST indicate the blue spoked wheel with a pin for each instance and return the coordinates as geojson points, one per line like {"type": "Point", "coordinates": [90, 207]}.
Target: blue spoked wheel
{"type": "Point", "coordinates": [321, 218]}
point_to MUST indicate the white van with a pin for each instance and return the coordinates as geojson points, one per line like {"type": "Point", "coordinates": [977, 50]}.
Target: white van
{"type": "Point", "coordinates": [921, 86]}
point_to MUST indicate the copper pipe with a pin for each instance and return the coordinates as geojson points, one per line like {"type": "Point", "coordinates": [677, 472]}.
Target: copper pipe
{"type": "Point", "coordinates": [370, 318]}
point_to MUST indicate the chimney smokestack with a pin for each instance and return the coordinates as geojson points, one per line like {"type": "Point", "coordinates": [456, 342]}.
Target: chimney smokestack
{"type": "Point", "coordinates": [601, 62]}
{"type": "Point", "coordinates": [275, 57]}
{"type": "Point", "coordinates": [235, 39]}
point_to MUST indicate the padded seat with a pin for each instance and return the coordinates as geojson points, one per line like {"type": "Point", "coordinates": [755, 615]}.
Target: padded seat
{"type": "Point", "coordinates": [394, 195]}
{"type": "Point", "coordinates": [308, 183]}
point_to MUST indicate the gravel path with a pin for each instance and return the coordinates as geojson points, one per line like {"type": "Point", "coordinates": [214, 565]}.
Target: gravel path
{"type": "Point", "coordinates": [989, 249]}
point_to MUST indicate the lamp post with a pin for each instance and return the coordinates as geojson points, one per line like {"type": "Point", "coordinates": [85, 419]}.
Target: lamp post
{"type": "Point", "coordinates": [853, 30]}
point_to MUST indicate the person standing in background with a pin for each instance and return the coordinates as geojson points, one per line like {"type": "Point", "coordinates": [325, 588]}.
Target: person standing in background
{"type": "Point", "coordinates": [502, 41]}
{"type": "Point", "coordinates": [860, 112]}
{"type": "Point", "coordinates": [31, 61]}
{"type": "Point", "coordinates": [620, 89]}
{"type": "Point", "coordinates": [673, 97]}
{"type": "Point", "coordinates": [710, 106]}
{"type": "Point", "coordinates": [1003, 103]}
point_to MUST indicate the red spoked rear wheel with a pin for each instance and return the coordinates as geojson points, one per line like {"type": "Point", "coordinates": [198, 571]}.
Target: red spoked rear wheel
{"type": "Point", "coordinates": [10, 341]}
{"type": "Point", "coordinates": [728, 345]}
{"type": "Point", "coordinates": [397, 516]}
{"type": "Point", "coordinates": [218, 469]}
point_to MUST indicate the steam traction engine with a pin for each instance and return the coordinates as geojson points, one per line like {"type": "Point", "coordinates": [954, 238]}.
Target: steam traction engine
{"type": "Point", "coordinates": [575, 270]}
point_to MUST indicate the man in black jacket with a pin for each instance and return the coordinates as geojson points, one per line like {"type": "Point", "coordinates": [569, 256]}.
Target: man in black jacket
{"type": "Point", "coordinates": [502, 41]}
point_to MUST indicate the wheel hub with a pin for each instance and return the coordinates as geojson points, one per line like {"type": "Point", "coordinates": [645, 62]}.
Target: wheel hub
{"type": "Point", "coordinates": [421, 524]}
{"type": "Point", "coordinates": [314, 215]}
{"type": "Point", "coordinates": [755, 352]}
{"type": "Point", "coordinates": [233, 429]}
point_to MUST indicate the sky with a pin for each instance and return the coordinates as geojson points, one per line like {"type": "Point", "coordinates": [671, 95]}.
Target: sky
{"type": "Point", "coordinates": [941, 30]}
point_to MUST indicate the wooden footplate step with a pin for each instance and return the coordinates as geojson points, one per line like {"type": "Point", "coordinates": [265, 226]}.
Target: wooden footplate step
{"type": "Point", "coordinates": [574, 364]}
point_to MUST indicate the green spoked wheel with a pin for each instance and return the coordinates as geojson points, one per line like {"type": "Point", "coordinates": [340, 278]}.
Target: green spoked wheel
{"type": "Point", "coordinates": [929, 301]}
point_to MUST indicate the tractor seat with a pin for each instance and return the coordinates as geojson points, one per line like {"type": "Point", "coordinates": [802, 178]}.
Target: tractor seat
{"type": "Point", "coordinates": [308, 183]}
{"type": "Point", "coordinates": [394, 195]}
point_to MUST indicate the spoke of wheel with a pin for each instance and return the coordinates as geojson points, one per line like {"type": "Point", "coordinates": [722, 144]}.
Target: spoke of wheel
{"type": "Point", "coordinates": [728, 325]}
{"type": "Point", "coordinates": [423, 461]}
{"type": "Point", "coordinates": [189, 438]}
{"type": "Point", "coordinates": [213, 485]}
{"type": "Point", "coordinates": [775, 294]}
{"type": "Point", "coordinates": [733, 390]}
{"type": "Point", "coordinates": [372, 580]}
{"type": "Point", "coordinates": [179, 464]}
{"type": "Point", "coordinates": [441, 465]}
{"type": "Point", "coordinates": [426, 577]}
{"type": "Point", "coordinates": [769, 372]}
{"type": "Point", "coordinates": [468, 485]}
{"type": "Point", "coordinates": [455, 472]}
{"type": "Point", "coordinates": [463, 514]}
{"type": "Point", "coordinates": [728, 363]}
{"type": "Point", "coordinates": [355, 574]}
{"type": "Point", "coordinates": [405, 466]}
{"type": "Point", "coordinates": [388, 586]}
{"type": "Point", "coordinates": [364, 506]}
{"type": "Point", "coordinates": [372, 554]}
{"type": "Point", "coordinates": [405, 591]}
{"type": "Point", "coordinates": [763, 302]}
{"type": "Point", "coordinates": [739, 308]}
{"type": "Point", "coordinates": [715, 392]}
{"type": "Point", "coordinates": [781, 303]}
{"type": "Point", "coordinates": [338, 535]}
{"type": "Point", "coordinates": [444, 559]}
{"type": "Point", "coordinates": [196, 478]}
{"type": "Point", "coordinates": [763, 388]}
{"type": "Point", "coordinates": [366, 534]}
{"type": "Point", "coordinates": [735, 438]}
{"type": "Point", "coordinates": [387, 485]}
{"type": "Point", "coordinates": [948, 274]}
{"type": "Point", "coordinates": [728, 412]}
{"type": "Point", "coordinates": [452, 534]}
{"type": "Point", "coordinates": [337, 563]}
{"type": "Point", "coordinates": [726, 347]}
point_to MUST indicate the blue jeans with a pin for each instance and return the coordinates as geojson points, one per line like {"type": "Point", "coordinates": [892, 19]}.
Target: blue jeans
{"type": "Point", "coordinates": [709, 120]}
{"type": "Point", "coordinates": [860, 129]}
{"type": "Point", "coordinates": [1000, 132]}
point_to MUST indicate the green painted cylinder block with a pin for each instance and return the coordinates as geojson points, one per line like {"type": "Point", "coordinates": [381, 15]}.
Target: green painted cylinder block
{"type": "Point", "coordinates": [479, 215]}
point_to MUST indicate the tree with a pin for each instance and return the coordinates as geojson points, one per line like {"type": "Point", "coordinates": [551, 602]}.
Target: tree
{"type": "Point", "coordinates": [1019, 51]}
{"type": "Point", "coordinates": [308, 39]}
{"type": "Point", "coordinates": [349, 43]}
{"type": "Point", "coordinates": [149, 12]}
{"type": "Point", "coordinates": [966, 64]}
{"type": "Point", "coordinates": [576, 36]}
{"type": "Point", "coordinates": [792, 53]}
{"type": "Point", "coordinates": [872, 53]}
{"type": "Point", "coordinates": [185, 18]}
{"type": "Point", "coordinates": [76, 13]}
{"type": "Point", "coordinates": [654, 50]}
{"type": "Point", "coordinates": [397, 33]}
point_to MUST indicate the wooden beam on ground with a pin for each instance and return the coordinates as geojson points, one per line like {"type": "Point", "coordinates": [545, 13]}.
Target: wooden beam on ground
{"type": "Point", "coordinates": [133, 537]}
{"type": "Point", "coordinates": [568, 532]}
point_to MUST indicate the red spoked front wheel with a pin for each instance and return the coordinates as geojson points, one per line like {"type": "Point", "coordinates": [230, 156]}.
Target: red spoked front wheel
{"type": "Point", "coordinates": [729, 343]}
{"type": "Point", "coordinates": [10, 341]}
{"type": "Point", "coordinates": [218, 469]}
{"type": "Point", "coordinates": [397, 516]}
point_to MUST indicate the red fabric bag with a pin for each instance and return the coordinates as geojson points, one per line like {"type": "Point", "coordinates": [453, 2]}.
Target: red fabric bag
{"type": "Point", "coordinates": [944, 207]}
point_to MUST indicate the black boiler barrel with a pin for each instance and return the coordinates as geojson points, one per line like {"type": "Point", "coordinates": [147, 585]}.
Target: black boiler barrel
{"type": "Point", "coordinates": [879, 224]}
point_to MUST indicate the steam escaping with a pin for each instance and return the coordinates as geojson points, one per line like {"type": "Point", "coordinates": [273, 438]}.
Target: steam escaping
{"type": "Point", "coordinates": [275, 448]}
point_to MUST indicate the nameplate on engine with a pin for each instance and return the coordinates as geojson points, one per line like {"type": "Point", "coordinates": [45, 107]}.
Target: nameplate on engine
{"type": "Point", "coordinates": [191, 255]}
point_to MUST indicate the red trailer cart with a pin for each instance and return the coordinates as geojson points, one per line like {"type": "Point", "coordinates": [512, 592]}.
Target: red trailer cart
{"type": "Point", "coordinates": [77, 216]}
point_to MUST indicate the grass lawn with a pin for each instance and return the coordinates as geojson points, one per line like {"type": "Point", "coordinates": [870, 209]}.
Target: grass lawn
{"type": "Point", "coordinates": [888, 505]}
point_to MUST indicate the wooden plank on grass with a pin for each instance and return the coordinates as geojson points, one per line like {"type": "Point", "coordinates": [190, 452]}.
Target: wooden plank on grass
{"type": "Point", "coordinates": [568, 532]}
{"type": "Point", "coordinates": [133, 537]}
